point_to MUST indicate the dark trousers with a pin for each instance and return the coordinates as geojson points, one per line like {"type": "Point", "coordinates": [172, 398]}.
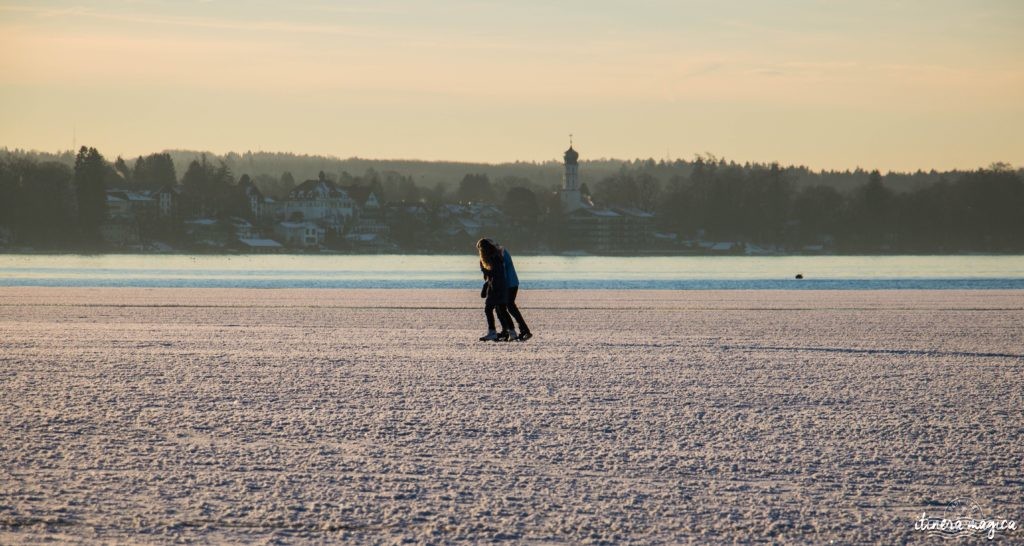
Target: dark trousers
{"type": "Point", "coordinates": [514, 311]}
{"type": "Point", "coordinates": [502, 310]}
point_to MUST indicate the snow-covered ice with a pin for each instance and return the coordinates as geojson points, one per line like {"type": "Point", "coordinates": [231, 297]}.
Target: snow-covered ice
{"type": "Point", "coordinates": [310, 416]}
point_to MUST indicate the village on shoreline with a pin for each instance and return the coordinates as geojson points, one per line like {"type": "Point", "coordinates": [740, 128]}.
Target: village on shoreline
{"type": "Point", "coordinates": [706, 208]}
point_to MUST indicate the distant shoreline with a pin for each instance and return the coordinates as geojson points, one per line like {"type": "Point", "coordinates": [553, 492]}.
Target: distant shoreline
{"type": "Point", "coordinates": [567, 254]}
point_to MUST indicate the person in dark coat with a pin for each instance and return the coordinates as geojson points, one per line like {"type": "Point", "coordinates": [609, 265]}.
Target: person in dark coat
{"type": "Point", "coordinates": [512, 280]}
{"type": "Point", "coordinates": [492, 265]}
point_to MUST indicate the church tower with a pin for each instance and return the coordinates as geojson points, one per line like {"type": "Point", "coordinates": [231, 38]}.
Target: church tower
{"type": "Point", "coordinates": [571, 199]}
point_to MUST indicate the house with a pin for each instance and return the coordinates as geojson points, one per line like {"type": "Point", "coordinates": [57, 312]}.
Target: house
{"type": "Point", "coordinates": [370, 230]}
{"type": "Point", "coordinates": [143, 205]}
{"type": "Point", "coordinates": [129, 214]}
{"type": "Point", "coordinates": [369, 215]}
{"type": "Point", "coordinates": [243, 229]}
{"type": "Point", "coordinates": [637, 228]}
{"type": "Point", "coordinates": [168, 200]}
{"type": "Point", "coordinates": [595, 229]}
{"type": "Point", "coordinates": [300, 234]}
{"type": "Point", "coordinates": [474, 220]}
{"type": "Point", "coordinates": [118, 207]}
{"type": "Point", "coordinates": [320, 201]}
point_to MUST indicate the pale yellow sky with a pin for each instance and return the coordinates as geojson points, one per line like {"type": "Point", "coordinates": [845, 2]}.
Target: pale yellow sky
{"type": "Point", "coordinates": [896, 85]}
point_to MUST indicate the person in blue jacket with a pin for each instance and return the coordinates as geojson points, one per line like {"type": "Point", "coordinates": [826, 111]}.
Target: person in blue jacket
{"type": "Point", "coordinates": [512, 280]}
{"type": "Point", "coordinates": [492, 265]}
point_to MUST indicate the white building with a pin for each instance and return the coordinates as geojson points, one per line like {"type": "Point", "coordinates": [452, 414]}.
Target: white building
{"type": "Point", "coordinates": [320, 201]}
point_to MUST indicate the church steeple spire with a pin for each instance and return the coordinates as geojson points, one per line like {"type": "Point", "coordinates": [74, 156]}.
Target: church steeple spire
{"type": "Point", "coordinates": [571, 155]}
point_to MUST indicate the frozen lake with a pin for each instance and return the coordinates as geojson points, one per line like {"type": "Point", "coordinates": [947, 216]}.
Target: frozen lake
{"type": "Point", "coordinates": [536, 272]}
{"type": "Point", "coordinates": [318, 416]}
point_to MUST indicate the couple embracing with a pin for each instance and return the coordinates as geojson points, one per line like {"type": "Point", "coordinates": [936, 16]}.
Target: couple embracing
{"type": "Point", "coordinates": [501, 284]}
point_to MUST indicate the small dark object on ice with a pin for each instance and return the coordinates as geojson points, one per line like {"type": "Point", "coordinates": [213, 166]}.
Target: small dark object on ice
{"type": "Point", "coordinates": [799, 275]}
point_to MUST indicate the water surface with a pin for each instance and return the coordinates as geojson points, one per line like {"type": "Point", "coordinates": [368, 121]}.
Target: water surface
{"type": "Point", "coordinates": [552, 272]}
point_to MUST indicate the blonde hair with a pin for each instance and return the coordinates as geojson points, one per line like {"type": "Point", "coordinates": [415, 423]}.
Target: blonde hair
{"type": "Point", "coordinates": [488, 252]}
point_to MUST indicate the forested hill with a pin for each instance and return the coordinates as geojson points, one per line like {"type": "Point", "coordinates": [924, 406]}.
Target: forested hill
{"type": "Point", "coordinates": [547, 174]}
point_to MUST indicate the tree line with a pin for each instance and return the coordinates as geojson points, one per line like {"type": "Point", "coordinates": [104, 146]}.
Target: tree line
{"type": "Point", "coordinates": [975, 211]}
{"type": "Point", "coordinates": [53, 201]}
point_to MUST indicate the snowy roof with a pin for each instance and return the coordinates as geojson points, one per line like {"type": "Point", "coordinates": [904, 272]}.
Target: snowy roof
{"type": "Point", "coordinates": [260, 243]}
{"type": "Point", "coordinates": [317, 189]}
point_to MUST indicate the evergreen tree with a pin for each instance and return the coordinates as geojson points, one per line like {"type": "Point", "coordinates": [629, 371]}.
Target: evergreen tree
{"type": "Point", "coordinates": [90, 170]}
{"type": "Point", "coordinates": [154, 172]}
{"type": "Point", "coordinates": [871, 214]}
{"type": "Point", "coordinates": [207, 188]}
{"type": "Point", "coordinates": [238, 202]}
{"type": "Point", "coordinates": [10, 195]}
{"type": "Point", "coordinates": [287, 180]}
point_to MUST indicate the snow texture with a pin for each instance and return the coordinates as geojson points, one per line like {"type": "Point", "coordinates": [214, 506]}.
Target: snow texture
{"type": "Point", "coordinates": [313, 416]}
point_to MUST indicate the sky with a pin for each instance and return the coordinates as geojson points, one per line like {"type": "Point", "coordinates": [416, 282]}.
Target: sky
{"type": "Point", "coordinates": [837, 84]}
